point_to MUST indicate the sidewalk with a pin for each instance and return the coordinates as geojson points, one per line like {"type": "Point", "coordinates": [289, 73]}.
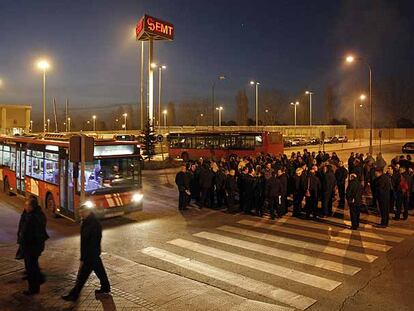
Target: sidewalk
{"type": "Point", "coordinates": [134, 287]}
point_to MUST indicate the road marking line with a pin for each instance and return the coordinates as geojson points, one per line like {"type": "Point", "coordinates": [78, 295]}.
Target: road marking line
{"type": "Point", "coordinates": [331, 228]}
{"type": "Point", "coordinates": [277, 294]}
{"type": "Point", "coordinates": [318, 236]}
{"type": "Point", "coordinates": [283, 272]}
{"type": "Point", "coordinates": [291, 256]}
{"type": "Point", "coordinates": [369, 226]}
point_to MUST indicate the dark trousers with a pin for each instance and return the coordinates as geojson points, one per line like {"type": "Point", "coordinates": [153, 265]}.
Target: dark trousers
{"type": "Point", "coordinates": [384, 211]}
{"type": "Point", "coordinates": [274, 206]}
{"type": "Point", "coordinates": [84, 272]}
{"type": "Point", "coordinates": [401, 201]}
{"type": "Point", "coordinates": [311, 206]}
{"type": "Point", "coordinates": [341, 192]}
{"type": "Point", "coordinates": [205, 197]}
{"type": "Point", "coordinates": [392, 202]}
{"type": "Point", "coordinates": [182, 200]}
{"type": "Point", "coordinates": [327, 203]}
{"type": "Point", "coordinates": [283, 208]}
{"type": "Point", "coordinates": [297, 203]}
{"type": "Point", "coordinates": [231, 202]}
{"type": "Point", "coordinates": [354, 210]}
{"type": "Point", "coordinates": [221, 195]}
{"type": "Point", "coordinates": [34, 276]}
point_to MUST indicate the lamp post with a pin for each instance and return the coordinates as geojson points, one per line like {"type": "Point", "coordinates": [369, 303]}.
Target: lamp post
{"type": "Point", "coordinates": [125, 115]}
{"type": "Point", "coordinates": [48, 125]}
{"type": "Point", "coordinates": [362, 97]}
{"type": "Point", "coordinates": [94, 123]}
{"type": "Point", "coordinates": [69, 124]}
{"type": "Point", "coordinates": [160, 69]}
{"type": "Point", "coordinates": [165, 117]}
{"type": "Point", "coordinates": [295, 105]}
{"type": "Point", "coordinates": [220, 78]}
{"type": "Point", "coordinates": [310, 93]}
{"type": "Point", "coordinates": [256, 84]}
{"type": "Point", "coordinates": [219, 109]}
{"type": "Point", "coordinates": [44, 65]}
{"type": "Point", "coordinates": [350, 59]}
{"type": "Point", "coordinates": [31, 126]}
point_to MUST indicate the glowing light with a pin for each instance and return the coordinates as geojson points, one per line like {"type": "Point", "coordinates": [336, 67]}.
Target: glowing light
{"type": "Point", "coordinates": [88, 204]}
{"type": "Point", "coordinates": [137, 197]}
{"type": "Point", "coordinates": [362, 97]}
{"type": "Point", "coordinates": [43, 64]}
{"type": "Point", "coordinates": [350, 59]}
{"type": "Point", "coordinates": [165, 111]}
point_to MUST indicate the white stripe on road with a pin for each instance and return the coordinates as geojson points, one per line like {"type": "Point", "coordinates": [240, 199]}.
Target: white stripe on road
{"type": "Point", "coordinates": [283, 272]}
{"type": "Point", "coordinates": [369, 226]}
{"type": "Point", "coordinates": [318, 236]}
{"type": "Point", "coordinates": [345, 231]}
{"type": "Point", "coordinates": [302, 244]}
{"type": "Point", "coordinates": [291, 256]}
{"type": "Point", "coordinates": [257, 287]}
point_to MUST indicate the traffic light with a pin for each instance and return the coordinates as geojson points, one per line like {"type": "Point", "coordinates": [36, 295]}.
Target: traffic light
{"type": "Point", "coordinates": [150, 140]}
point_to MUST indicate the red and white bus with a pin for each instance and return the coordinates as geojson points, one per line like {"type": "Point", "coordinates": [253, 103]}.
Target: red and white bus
{"type": "Point", "coordinates": [40, 166]}
{"type": "Point", "coordinates": [223, 144]}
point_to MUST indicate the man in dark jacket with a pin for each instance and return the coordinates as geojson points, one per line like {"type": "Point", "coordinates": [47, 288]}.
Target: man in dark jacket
{"type": "Point", "coordinates": [354, 197]}
{"type": "Point", "coordinates": [383, 189]}
{"type": "Point", "coordinates": [206, 184]}
{"type": "Point", "coordinates": [341, 174]}
{"type": "Point", "coordinates": [182, 180]}
{"type": "Point", "coordinates": [313, 188]}
{"type": "Point", "coordinates": [328, 188]}
{"type": "Point", "coordinates": [231, 190]}
{"type": "Point", "coordinates": [283, 189]}
{"type": "Point", "coordinates": [402, 193]}
{"type": "Point", "coordinates": [31, 238]}
{"type": "Point", "coordinates": [273, 196]}
{"type": "Point", "coordinates": [220, 183]}
{"type": "Point", "coordinates": [90, 260]}
{"type": "Point", "coordinates": [298, 192]}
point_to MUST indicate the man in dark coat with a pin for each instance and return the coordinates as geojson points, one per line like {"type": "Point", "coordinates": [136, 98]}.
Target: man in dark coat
{"type": "Point", "coordinates": [328, 188]}
{"type": "Point", "coordinates": [313, 188]}
{"type": "Point", "coordinates": [242, 183]}
{"type": "Point", "coordinates": [354, 197]}
{"type": "Point", "coordinates": [220, 184]}
{"type": "Point", "coordinates": [283, 189]}
{"type": "Point", "coordinates": [195, 183]}
{"type": "Point", "coordinates": [90, 260]}
{"type": "Point", "coordinates": [351, 160]}
{"type": "Point", "coordinates": [341, 174]}
{"type": "Point", "coordinates": [383, 189]}
{"type": "Point", "coordinates": [402, 193]}
{"type": "Point", "coordinates": [273, 195]}
{"type": "Point", "coordinates": [231, 190]}
{"type": "Point", "coordinates": [31, 238]}
{"type": "Point", "coordinates": [206, 184]}
{"type": "Point", "coordinates": [298, 192]}
{"type": "Point", "coordinates": [182, 180]}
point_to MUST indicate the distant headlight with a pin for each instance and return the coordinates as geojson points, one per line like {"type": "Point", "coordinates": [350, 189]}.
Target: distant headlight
{"type": "Point", "coordinates": [137, 197]}
{"type": "Point", "coordinates": [88, 204]}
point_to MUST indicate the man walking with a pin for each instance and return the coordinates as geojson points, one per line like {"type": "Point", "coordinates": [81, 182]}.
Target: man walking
{"type": "Point", "coordinates": [328, 188]}
{"type": "Point", "coordinates": [341, 174]}
{"type": "Point", "coordinates": [90, 260]}
{"type": "Point", "coordinates": [231, 190]}
{"type": "Point", "coordinates": [402, 194]}
{"type": "Point", "coordinates": [354, 197]}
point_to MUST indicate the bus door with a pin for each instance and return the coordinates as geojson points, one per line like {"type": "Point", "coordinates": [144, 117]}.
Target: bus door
{"type": "Point", "coordinates": [66, 185]}
{"type": "Point", "coordinates": [20, 168]}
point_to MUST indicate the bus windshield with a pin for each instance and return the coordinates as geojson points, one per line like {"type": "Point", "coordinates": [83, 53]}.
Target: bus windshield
{"type": "Point", "coordinates": [113, 174]}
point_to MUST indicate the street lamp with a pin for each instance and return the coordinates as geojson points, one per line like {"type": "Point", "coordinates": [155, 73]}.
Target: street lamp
{"type": "Point", "coordinates": [350, 59]}
{"type": "Point", "coordinates": [165, 117]}
{"type": "Point", "coordinates": [1, 83]}
{"type": "Point", "coordinates": [295, 105]}
{"type": "Point", "coordinates": [125, 115]}
{"type": "Point", "coordinates": [94, 123]}
{"type": "Point", "coordinates": [43, 65]}
{"type": "Point", "coordinates": [31, 126]}
{"type": "Point", "coordinates": [69, 124]}
{"type": "Point", "coordinates": [310, 93]}
{"type": "Point", "coordinates": [48, 125]}
{"type": "Point", "coordinates": [160, 69]}
{"type": "Point", "coordinates": [220, 78]}
{"type": "Point", "coordinates": [362, 97]}
{"type": "Point", "coordinates": [257, 100]}
{"type": "Point", "coordinates": [219, 109]}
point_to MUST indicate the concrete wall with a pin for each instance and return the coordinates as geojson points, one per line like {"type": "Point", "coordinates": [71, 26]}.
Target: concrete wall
{"type": "Point", "coordinates": [387, 133]}
{"type": "Point", "coordinates": [14, 118]}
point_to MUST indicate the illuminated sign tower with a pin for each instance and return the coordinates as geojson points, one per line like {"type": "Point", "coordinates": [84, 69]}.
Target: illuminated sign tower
{"type": "Point", "coordinates": [149, 29]}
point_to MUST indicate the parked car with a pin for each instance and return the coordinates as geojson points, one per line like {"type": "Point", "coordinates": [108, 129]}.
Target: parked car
{"type": "Point", "coordinates": [342, 139]}
{"type": "Point", "coordinates": [408, 148]}
{"type": "Point", "coordinates": [314, 141]}
{"type": "Point", "coordinates": [330, 140]}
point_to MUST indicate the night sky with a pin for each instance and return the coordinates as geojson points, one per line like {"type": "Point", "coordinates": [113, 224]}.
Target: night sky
{"type": "Point", "coordinates": [286, 45]}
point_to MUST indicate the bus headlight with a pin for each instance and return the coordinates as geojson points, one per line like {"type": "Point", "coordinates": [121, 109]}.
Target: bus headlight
{"type": "Point", "coordinates": [137, 197]}
{"type": "Point", "coordinates": [88, 204]}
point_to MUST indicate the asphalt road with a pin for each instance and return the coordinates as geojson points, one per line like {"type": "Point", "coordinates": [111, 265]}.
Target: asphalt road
{"type": "Point", "coordinates": [292, 263]}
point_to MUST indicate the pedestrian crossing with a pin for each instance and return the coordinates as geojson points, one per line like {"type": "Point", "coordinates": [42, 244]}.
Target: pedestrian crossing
{"type": "Point", "coordinates": [253, 255]}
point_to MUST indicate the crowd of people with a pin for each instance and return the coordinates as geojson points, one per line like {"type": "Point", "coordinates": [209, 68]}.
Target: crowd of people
{"type": "Point", "coordinates": [309, 182]}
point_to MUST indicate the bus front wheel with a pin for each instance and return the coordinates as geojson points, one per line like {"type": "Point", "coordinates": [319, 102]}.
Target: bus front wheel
{"type": "Point", "coordinates": [50, 205]}
{"type": "Point", "coordinates": [185, 156]}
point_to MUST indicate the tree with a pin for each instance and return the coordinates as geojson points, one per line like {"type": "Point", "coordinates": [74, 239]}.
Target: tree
{"type": "Point", "coordinates": [149, 141]}
{"type": "Point", "coordinates": [242, 107]}
{"type": "Point", "coordinates": [329, 103]}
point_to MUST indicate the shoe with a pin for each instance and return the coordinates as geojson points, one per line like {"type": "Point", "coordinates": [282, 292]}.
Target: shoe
{"type": "Point", "coordinates": [69, 297]}
{"type": "Point", "coordinates": [405, 217]}
{"type": "Point", "coordinates": [30, 292]}
{"type": "Point", "coordinates": [102, 291]}
{"type": "Point", "coordinates": [396, 218]}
